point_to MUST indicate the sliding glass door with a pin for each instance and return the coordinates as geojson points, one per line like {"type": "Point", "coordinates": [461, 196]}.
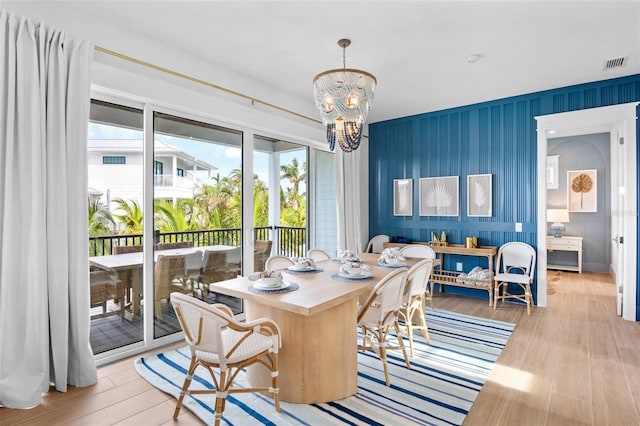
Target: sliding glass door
{"type": "Point", "coordinates": [197, 208]}
{"type": "Point", "coordinates": [177, 203]}
{"type": "Point", "coordinates": [115, 209]}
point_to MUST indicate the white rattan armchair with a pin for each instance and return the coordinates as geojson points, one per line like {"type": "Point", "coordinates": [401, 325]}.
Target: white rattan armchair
{"type": "Point", "coordinates": [278, 263]}
{"type": "Point", "coordinates": [516, 264]}
{"type": "Point", "coordinates": [217, 341]}
{"type": "Point", "coordinates": [378, 316]}
{"type": "Point", "coordinates": [412, 313]}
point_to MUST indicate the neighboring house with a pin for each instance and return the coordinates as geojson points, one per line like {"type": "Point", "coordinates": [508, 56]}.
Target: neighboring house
{"type": "Point", "coordinates": [115, 170]}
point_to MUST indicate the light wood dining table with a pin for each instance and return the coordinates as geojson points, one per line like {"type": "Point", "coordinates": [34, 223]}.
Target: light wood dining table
{"type": "Point", "coordinates": [318, 358]}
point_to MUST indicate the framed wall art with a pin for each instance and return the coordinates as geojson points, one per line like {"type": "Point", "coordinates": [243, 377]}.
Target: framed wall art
{"type": "Point", "coordinates": [439, 196]}
{"type": "Point", "coordinates": [582, 190]}
{"type": "Point", "coordinates": [403, 197]}
{"type": "Point", "coordinates": [479, 196]}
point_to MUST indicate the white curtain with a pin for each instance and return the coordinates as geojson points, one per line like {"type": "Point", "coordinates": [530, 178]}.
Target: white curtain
{"type": "Point", "coordinates": [347, 167]}
{"type": "Point", "coordinates": [44, 294]}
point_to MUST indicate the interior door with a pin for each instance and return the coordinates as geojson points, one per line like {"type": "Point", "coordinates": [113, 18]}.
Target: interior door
{"type": "Point", "coordinates": [617, 222]}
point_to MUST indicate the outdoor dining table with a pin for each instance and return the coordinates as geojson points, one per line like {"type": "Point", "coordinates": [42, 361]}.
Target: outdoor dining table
{"type": "Point", "coordinates": [134, 261]}
{"type": "Point", "coordinates": [318, 359]}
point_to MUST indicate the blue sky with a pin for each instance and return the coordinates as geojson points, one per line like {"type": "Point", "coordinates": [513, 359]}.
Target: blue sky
{"type": "Point", "coordinates": [224, 158]}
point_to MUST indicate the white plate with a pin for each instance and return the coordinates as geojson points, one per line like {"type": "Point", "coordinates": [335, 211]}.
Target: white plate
{"type": "Point", "coordinates": [280, 286]}
{"type": "Point", "coordinates": [355, 276]}
{"type": "Point", "coordinates": [299, 268]}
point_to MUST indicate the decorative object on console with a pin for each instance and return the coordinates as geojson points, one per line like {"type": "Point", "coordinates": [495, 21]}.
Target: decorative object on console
{"type": "Point", "coordinates": [479, 198]}
{"type": "Point", "coordinates": [439, 196]}
{"type": "Point", "coordinates": [557, 218]}
{"type": "Point", "coordinates": [403, 197]}
{"type": "Point", "coordinates": [344, 96]}
{"type": "Point", "coordinates": [582, 190]}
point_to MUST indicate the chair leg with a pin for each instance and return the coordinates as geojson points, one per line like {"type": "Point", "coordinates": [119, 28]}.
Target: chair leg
{"type": "Point", "coordinates": [220, 400]}
{"type": "Point", "coordinates": [275, 383]}
{"type": "Point", "coordinates": [185, 386]}
{"type": "Point", "coordinates": [404, 350]}
{"type": "Point", "coordinates": [528, 298]}
{"type": "Point", "coordinates": [423, 321]}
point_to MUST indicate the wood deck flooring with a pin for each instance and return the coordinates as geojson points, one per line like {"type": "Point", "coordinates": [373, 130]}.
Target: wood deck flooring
{"type": "Point", "coordinates": [572, 363]}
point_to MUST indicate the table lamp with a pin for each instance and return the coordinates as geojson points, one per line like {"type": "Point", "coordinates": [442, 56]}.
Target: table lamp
{"type": "Point", "coordinates": [557, 217]}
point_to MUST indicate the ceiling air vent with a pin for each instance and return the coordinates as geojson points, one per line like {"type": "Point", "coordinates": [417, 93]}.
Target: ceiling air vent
{"type": "Point", "coordinates": [615, 63]}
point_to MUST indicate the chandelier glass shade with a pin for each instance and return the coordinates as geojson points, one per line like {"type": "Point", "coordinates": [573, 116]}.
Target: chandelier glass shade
{"type": "Point", "coordinates": [344, 96]}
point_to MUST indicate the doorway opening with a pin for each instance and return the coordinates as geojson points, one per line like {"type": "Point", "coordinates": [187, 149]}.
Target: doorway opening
{"type": "Point", "coordinates": [619, 122]}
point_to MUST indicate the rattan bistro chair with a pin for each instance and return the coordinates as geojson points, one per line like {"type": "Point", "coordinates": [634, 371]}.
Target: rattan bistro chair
{"type": "Point", "coordinates": [413, 304]}
{"type": "Point", "coordinates": [278, 263]}
{"type": "Point", "coordinates": [218, 341]}
{"type": "Point", "coordinates": [378, 316]}
{"type": "Point", "coordinates": [318, 255]}
{"type": "Point", "coordinates": [376, 244]}
{"type": "Point", "coordinates": [516, 264]}
{"type": "Point", "coordinates": [424, 252]}
{"type": "Point", "coordinates": [418, 250]}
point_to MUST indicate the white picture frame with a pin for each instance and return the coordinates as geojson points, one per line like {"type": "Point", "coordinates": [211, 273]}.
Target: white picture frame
{"type": "Point", "coordinates": [582, 191]}
{"type": "Point", "coordinates": [403, 197]}
{"type": "Point", "coordinates": [479, 195]}
{"type": "Point", "coordinates": [439, 196]}
{"type": "Point", "coordinates": [553, 162]}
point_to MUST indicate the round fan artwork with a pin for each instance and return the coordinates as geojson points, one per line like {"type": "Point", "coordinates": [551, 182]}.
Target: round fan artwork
{"type": "Point", "coordinates": [439, 196]}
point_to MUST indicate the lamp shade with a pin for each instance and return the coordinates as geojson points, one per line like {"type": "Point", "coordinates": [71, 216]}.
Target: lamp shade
{"type": "Point", "coordinates": [558, 215]}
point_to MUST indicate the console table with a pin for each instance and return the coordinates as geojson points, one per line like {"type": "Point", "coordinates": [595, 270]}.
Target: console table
{"type": "Point", "coordinates": [443, 277]}
{"type": "Point", "coordinates": [566, 244]}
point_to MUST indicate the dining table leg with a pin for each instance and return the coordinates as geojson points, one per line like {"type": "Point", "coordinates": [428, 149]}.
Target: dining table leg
{"type": "Point", "coordinates": [318, 359]}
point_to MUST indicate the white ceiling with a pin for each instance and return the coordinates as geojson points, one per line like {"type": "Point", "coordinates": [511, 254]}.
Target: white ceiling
{"type": "Point", "coordinates": [416, 49]}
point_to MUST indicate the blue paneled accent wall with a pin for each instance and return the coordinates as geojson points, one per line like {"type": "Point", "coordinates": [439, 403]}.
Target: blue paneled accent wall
{"type": "Point", "coordinates": [496, 137]}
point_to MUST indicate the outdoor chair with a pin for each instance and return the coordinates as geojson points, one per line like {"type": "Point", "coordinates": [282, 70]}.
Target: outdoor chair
{"type": "Point", "coordinates": [168, 271]}
{"type": "Point", "coordinates": [378, 317]}
{"type": "Point", "coordinates": [376, 244]}
{"type": "Point", "coordinates": [318, 255]}
{"type": "Point", "coordinates": [215, 268]}
{"type": "Point", "coordinates": [412, 312]}
{"type": "Point", "coordinates": [174, 245]}
{"type": "Point", "coordinates": [262, 251]}
{"type": "Point", "coordinates": [125, 275]}
{"type": "Point", "coordinates": [218, 341]}
{"type": "Point", "coordinates": [515, 265]}
{"type": "Point", "coordinates": [278, 263]}
{"type": "Point", "coordinates": [104, 285]}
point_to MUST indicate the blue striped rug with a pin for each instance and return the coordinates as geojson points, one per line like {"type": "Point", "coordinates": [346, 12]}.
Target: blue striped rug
{"type": "Point", "coordinates": [439, 389]}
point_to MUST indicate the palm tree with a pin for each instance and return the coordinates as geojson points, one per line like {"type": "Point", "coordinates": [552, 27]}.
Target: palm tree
{"type": "Point", "coordinates": [293, 175]}
{"type": "Point", "coordinates": [174, 217]}
{"type": "Point", "coordinates": [131, 216]}
{"type": "Point", "coordinates": [101, 221]}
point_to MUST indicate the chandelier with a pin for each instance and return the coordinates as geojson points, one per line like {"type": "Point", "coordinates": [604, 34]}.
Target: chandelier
{"type": "Point", "coordinates": [343, 96]}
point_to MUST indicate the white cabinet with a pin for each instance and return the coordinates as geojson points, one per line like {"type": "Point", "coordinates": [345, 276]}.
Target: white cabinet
{"type": "Point", "coordinates": [566, 244]}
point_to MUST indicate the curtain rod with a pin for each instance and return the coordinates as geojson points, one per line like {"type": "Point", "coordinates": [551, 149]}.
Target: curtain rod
{"type": "Point", "coordinates": [203, 82]}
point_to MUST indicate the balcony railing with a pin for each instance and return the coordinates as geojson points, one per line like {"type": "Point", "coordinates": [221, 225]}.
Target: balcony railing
{"type": "Point", "coordinates": [288, 241]}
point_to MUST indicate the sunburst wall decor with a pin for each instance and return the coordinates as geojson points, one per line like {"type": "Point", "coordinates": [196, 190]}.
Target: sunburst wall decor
{"type": "Point", "coordinates": [439, 196]}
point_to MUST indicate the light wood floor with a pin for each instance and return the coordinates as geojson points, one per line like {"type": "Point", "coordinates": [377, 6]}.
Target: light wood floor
{"type": "Point", "coordinates": [574, 362]}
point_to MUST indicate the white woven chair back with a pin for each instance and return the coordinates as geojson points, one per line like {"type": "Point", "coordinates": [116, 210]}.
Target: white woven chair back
{"type": "Point", "coordinates": [202, 324]}
{"type": "Point", "coordinates": [390, 296]}
{"type": "Point", "coordinates": [278, 263]}
{"type": "Point", "coordinates": [517, 255]}
{"type": "Point", "coordinates": [418, 278]}
{"type": "Point", "coordinates": [318, 255]}
{"type": "Point", "coordinates": [418, 250]}
{"type": "Point", "coordinates": [376, 244]}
